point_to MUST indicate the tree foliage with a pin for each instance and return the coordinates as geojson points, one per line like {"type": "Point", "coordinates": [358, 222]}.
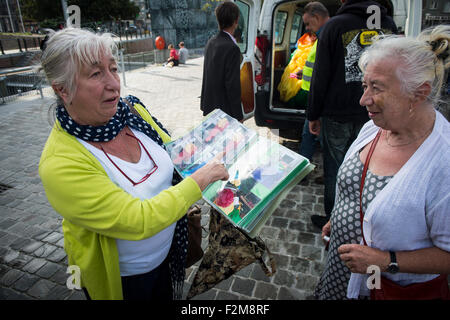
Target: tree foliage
{"type": "Point", "coordinates": [91, 10]}
{"type": "Point", "coordinates": [39, 10]}
{"type": "Point", "coordinates": [210, 5]}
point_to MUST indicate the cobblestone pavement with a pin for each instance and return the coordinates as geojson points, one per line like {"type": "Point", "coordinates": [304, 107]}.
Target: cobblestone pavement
{"type": "Point", "coordinates": [33, 262]}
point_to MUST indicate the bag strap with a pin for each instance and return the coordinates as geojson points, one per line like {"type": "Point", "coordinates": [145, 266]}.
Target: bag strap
{"type": "Point", "coordinates": [132, 108]}
{"type": "Point", "coordinates": [266, 257]}
{"type": "Point", "coordinates": [149, 119]}
{"type": "Point", "coordinates": [265, 267]}
{"type": "Point", "coordinates": [363, 178]}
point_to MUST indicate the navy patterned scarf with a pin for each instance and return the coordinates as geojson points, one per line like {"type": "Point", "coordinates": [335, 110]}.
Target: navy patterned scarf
{"type": "Point", "coordinates": [107, 132]}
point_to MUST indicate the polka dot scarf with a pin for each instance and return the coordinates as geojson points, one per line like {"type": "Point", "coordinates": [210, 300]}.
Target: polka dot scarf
{"type": "Point", "coordinates": [107, 132]}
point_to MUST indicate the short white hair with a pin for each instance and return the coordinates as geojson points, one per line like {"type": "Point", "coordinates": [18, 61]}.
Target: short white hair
{"type": "Point", "coordinates": [69, 49]}
{"type": "Point", "coordinates": [421, 60]}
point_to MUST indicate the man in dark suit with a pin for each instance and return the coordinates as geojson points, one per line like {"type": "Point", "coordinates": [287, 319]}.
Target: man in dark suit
{"type": "Point", "coordinates": [221, 86]}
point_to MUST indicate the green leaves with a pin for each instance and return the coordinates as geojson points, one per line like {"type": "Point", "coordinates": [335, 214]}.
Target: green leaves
{"type": "Point", "coordinates": [91, 10]}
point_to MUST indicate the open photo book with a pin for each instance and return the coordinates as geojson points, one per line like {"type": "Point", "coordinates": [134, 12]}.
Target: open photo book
{"type": "Point", "coordinates": [261, 171]}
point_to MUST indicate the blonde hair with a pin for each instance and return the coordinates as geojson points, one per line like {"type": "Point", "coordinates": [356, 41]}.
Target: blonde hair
{"type": "Point", "coordinates": [422, 60]}
{"type": "Point", "coordinates": [69, 49]}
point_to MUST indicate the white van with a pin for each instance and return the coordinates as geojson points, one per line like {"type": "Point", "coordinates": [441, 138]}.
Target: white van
{"type": "Point", "coordinates": [267, 33]}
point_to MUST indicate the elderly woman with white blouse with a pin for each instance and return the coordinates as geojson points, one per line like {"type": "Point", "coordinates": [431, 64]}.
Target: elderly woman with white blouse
{"type": "Point", "coordinates": [405, 202]}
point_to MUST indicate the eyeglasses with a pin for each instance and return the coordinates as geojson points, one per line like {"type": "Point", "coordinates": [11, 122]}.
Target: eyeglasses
{"type": "Point", "coordinates": [155, 167]}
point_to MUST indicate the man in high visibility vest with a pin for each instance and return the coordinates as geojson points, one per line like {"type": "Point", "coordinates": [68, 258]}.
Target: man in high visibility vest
{"type": "Point", "coordinates": [314, 17]}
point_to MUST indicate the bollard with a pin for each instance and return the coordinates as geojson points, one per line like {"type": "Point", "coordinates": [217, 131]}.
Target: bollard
{"type": "Point", "coordinates": [40, 90]}
{"type": "Point", "coordinates": [160, 45]}
{"type": "Point", "coordinates": [123, 68]}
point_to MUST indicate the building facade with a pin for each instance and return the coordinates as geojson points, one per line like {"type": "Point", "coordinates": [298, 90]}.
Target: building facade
{"type": "Point", "coordinates": [191, 21]}
{"type": "Point", "coordinates": [435, 12]}
{"type": "Point", "coordinates": [10, 16]}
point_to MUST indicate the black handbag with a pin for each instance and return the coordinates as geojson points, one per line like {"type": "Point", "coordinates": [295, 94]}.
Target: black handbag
{"type": "Point", "coordinates": [194, 251]}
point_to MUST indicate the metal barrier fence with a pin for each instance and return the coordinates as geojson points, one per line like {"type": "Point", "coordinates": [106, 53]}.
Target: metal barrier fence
{"type": "Point", "coordinates": [19, 44]}
{"type": "Point", "coordinates": [136, 34]}
{"type": "Point", "coordinates": [18, 82]}
{"type": "Point", "coordinates": [24, 44]}
{"type": "Point", "coordinates": [140, 60]}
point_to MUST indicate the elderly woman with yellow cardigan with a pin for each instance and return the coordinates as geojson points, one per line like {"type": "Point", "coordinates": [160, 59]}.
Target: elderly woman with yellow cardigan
{"type": "Point", "coordinates": [105, 170]}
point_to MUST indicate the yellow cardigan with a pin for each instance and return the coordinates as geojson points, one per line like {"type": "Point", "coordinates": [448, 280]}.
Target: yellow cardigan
{"type": "Point", "coordinates": [96, 211]}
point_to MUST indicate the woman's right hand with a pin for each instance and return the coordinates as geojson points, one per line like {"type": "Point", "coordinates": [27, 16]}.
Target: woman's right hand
{"type": "Point", "coordinates": [326, 231]}
{"type": "Point", "coordinates": [210, 172]}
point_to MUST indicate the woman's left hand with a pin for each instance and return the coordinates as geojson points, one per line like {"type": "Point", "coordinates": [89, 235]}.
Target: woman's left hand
{"type": "Point", "coordinates": [358, 257]}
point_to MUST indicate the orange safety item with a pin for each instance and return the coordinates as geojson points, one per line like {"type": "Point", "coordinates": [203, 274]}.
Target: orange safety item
{"type": "Point", "coordinates": [288, 86]}
{"type": "Point", "coordinates": [261, 50]}
{"type": "Point", "coordinates": [307, 38]}
{"type": "Point", "coordinates": [159, 43]}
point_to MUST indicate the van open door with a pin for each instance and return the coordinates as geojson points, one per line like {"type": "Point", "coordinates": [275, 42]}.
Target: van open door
{"type": "Point", "coordinates": [245, 35]}
{"type": "Point", "coordinates": [280, 28]}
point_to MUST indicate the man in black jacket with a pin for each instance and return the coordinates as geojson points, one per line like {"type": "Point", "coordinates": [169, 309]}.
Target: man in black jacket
{"type": "Point", "coordinates": [333, 107]}
{"type": "Point", "coordinates": [221, 86]}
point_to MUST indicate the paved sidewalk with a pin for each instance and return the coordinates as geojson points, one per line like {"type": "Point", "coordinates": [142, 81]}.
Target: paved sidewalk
{"type": "Point", "coordinates": [32, 259]}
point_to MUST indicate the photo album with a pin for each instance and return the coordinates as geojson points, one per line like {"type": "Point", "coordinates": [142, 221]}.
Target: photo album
{"type": "Point", "coordinates": [261, 171]}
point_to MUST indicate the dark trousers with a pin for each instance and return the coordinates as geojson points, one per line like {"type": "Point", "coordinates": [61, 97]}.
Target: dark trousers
{"type": "Point", "coordinates": [308, 143]}
{"type": "Point", "coordinates": [154, 285]}
{"type": "Point", "coordinates": [336, 138]}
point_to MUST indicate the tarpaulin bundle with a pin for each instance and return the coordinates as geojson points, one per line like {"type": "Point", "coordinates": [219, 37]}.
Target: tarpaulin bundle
{"type": "Point", "coordinates": [229, 250]}
{"type": "Point", "coordinates": [288, 87]}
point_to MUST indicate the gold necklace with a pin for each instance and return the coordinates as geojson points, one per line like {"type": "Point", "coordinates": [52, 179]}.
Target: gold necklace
{"type": "Point", "coordinates": [408, 143]}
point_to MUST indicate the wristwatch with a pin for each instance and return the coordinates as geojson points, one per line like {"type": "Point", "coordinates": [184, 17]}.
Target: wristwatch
{"type": "Point", "coordinates": [393, 266]}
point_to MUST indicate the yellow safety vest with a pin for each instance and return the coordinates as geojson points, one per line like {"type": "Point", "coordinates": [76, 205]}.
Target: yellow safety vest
{"type": "Point", "coordinates": [308, 68]}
